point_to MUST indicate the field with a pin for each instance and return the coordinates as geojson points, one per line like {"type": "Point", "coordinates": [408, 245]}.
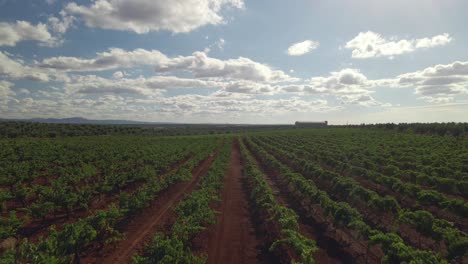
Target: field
{"type": "Point", "coordinates": [331, 195]}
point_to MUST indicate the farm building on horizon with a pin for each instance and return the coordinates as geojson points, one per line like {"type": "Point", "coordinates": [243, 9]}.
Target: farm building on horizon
{"type": "Point", "coordinates": [311, 124]}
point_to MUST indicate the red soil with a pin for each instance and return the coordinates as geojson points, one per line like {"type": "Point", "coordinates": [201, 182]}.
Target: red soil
{"type": "Point", "coordinates": [404, 200]}
{"type": "Point", "coordinates": [381, 221]}
{"type": "Point", "coordinates": [143, 226]}
{"type": "Point", "coordinates": [233, 239]}
{"type": "Point", "coordinates": [307, 229]}
{"type": "Point", "coordinates": [33, 229]}
{"type": "Point", "coordinates": [335, 245]}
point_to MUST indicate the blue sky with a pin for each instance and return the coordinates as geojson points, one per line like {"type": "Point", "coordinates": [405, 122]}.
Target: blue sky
{"type": "Point", "coordinates": [235, 61]}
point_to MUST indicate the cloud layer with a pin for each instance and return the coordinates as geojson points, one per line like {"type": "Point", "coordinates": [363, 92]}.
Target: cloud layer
{"type": "Point", "coordinates": [199, 64]}
{"type": "Point", "coordinates": [143, 16]}
{"type": "Point", "coordinates": [439, 83]}
{"type": "Point", "coordinates": [92, 84]}
{"type": "Point", "coordinates": [228, 77]}
{"type": "Point", "coordinates": [15, 69]}
{"type": "Point", "coordinates": [370, 44]}
{"type": "Point", "coordinates": [5, 89]}
{"type": "Point", "coordinates": [301, 48]}
{"type": "Point", "coordinates": [12, 33]}
{"type": "Point", "coordinates": [147, 82]}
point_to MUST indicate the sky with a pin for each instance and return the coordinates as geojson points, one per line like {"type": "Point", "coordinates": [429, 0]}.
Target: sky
{"type": "Point", "coordinates": [235, 61]}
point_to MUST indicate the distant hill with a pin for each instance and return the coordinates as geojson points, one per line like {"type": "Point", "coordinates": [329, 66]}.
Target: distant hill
{"type": "Point", "coordinates": [81, 120]}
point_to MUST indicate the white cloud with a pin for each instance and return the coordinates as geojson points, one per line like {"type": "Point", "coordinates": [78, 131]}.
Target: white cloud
{"type": "Point", "coordinates": [439, 40]}
{"type": "Point", "coordinates": [6, 95]}
{"type": "Point", "coordinates": [218, 44]}
{"type": "Point", "coordinates": [348, 85]}
{"type": "Point", "coordinates": [118, 74]}
{"type": "Point", "coordinates": [440, 83]}
{"type": "Point", "coordinates": [370, 44]}
{"type": "Point", "coordinates": [199, 64]}
{"type": "Point", "coordinates": [15, 69]}
{"type": "Point", "coordinates": [92, 84]}
{"type": "Point", "coordinates": [143, 16]}
{"type": "Point", "coordinates": [59, 103]}
{"type": "Point", "coordinates": [249, 87]}
{"type": "Point", "coordinates": [202, 66]}
{"type": "Point", "coordinates": [301, 48]}
{"type": "Point", "coordinates": [12, 33]}
{"type": "Point", "coordinates": [191, 105]}
{"type": "Point", "coordinates": [5, 89]}
{"type": "Point", "coordinates": [345, 81]}
{"type": "Point", "coordinates": [437, 100]}
{"type": "Point", "coordinates": [24, 91]}
{"type": "Point", "coordinates": [114, 58]}
{"type": "Point", "coordinates": [363, 100]}
{"type": "Point", "coordinates": [62, 24]}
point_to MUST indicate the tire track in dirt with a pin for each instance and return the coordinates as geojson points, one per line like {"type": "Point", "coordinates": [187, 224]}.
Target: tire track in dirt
{"type": "Point", "coordinates": [233, 239]}
{"type": "Point", "coordinates": [144, 225]}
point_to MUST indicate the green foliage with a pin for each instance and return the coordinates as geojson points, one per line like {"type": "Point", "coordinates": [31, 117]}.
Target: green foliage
{"type": "Point", "coordinates": [104, 223]}
{"type": "Point", "coordinates": [395, 249]}
{"type": "Point", "coordinates": [429, 197]}
{"type": "Point", "coordinates": [397, 252]}
{"type": "Point", "coordinates": [79, 179]}
{"type": "Point", "coordinates": [9, 225]}
{"type": "Point", "coordinates": [166, 250]}
{"type": "Point", "coordinates": [193, 214]}
{"type": "Point", "coordinates": [57, 176]}
{"type": "Point", "coordinates": [263, 198]}
{"type": "Point", "coordinates": [298, 243]}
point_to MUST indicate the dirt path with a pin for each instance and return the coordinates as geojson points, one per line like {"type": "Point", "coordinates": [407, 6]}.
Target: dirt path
{"type": "Point", "coordinates": [144, 225]}
{"type": "Point", "coordinates": [233, 239]}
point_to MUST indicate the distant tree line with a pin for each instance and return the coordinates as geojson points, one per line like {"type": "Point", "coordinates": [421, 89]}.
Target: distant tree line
{"type": "Point", "coordinates": [29, 129]}
{"type": "Point", "coordinates": [18, 129]}
{"type": "Point", "coordinates": [441, 129]}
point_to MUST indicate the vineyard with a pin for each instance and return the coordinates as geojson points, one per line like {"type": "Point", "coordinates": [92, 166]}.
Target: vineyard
{"type": "Point", "coordinates": [332, 195]}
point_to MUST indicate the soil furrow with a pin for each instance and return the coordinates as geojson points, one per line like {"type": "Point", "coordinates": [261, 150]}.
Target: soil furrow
{"type": "Point", "coordinates": [34, 229]}
{"type": "Point", "coordinates": [233, 239]}
{"type": "Point", "coordinates": [144, 225]}
{"type": "Point", "coordinates": [325, 253]}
